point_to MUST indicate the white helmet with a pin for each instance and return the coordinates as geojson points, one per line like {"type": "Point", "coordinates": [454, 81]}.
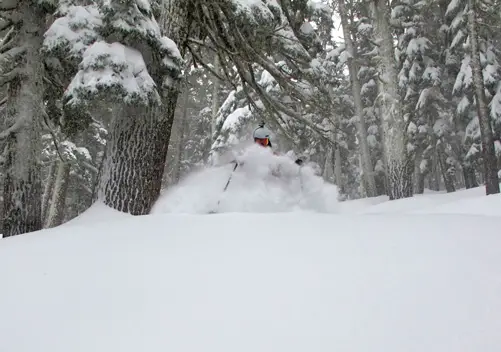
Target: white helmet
{"type": "Point", "coordinates": [261, 132]}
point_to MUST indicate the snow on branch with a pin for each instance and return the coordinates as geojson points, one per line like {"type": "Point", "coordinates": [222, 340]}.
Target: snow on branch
{"type": "Point", "coordinates": [134, 20]}
{"type": "Point", "coordinates": [112, 68]}
{"type": "Point", "coordinates": [258, 11]}
{"type": "Point", "coordinates": [75, 31]}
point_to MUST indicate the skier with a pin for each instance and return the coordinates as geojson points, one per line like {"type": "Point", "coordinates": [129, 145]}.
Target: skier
{"type": "Point", "coordinates": [261, 136]}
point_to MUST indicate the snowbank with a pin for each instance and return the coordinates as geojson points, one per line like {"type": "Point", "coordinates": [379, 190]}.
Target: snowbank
{"type": "Point", "coordinates": [469, 202]}
{"type": "Point", "coordinates": [262, 183]}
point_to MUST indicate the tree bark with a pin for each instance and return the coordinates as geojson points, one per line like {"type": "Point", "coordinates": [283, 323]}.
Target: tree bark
{"type": "Point", "coordinates": [328, 172]}
{"type": "Point", "coordinates": [22, 209]}
{"type": "Point", "coordinates": [470, 180]}
{"type": "Point", "coordinates": [367, 168]}
{"type": "Point", "coordinates": [434, 178]}
{"type": "Point", "coordinates": [446, 176]}
{"type": "Point", "coordinates": [128, 172]}
{"type": "Point", "coordinates": [488, 150]}
{"type": "Point", "coordinates": [57, 206]}
{"type": "Point", "coordinates": [47, 194]}
{"type": "Point", "coordinates": [338, 170]}
{"type": "Point", "coordinates": [215, 96]}
{"type": "Point", "coordinates": [420, 176]}
{"type": "Point", "coordinates": [398, 163]}
{"type": "Point", "coordinates": [176, 173]}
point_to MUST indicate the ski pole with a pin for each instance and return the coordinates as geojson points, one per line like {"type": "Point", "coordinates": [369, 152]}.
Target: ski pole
{"type": "Point", "coordinates": [225, 187]}
{"type": "Point", "coordinates": [229, 178]}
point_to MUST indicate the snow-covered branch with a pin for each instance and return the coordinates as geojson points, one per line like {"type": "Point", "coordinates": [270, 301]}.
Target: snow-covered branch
{"type": "Point", "coordinates": [112, 67]}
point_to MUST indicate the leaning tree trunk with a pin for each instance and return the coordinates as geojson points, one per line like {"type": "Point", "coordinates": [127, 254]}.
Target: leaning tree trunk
{"type": "Point", "coordinates": [398, 163]}
{"type": "Point", "coordinates": [176, 31]}
{"type": "Point", "coordinates": [57, 206]}
{"type": "Point", "coordinates": [368, 170]}
{"type": "Point", "coordinates": [488, 150]}
{"type": "Point", "coordinates": [22, 209]}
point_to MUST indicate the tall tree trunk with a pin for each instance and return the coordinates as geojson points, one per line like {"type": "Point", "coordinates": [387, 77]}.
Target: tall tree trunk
{"type": "Point", "coordinates": [128, 172]}
{"type": "Point", "coordinates": [488, 150]}
{"type": "Point", "coordinates": [420, 176]}
{"type": "Point", "coordinates": [367, 168]}
{"type": "Point", "coordinates": [215, 96]}
{"type": "Point", "coordinates": [47, 194]}
{"type": "Point", "coordinates": [398, 163]}
{"type": "Point", "coordinates": [338, 170]}
{"type": "Point", "coordinates": [131, 177]}
{"type": "Point", "coordinates": [176, 31]}
{"type": "Point", "coordinates": [58, 203]}
{"type": "Point", "coordinates": [470, 179]}
{"type": "Point", "coordinates": [22, 209]}
{"type": "Point", "coordinates": [434, 178]}
{"type": "Point", "coordinates": [97, 181]}
{"type": "Point", "coordinates": [176, 173]}
{"type": "Point", "coordinates": [328, 172]}
{"type": "Point", "coordinates": [447, 177]}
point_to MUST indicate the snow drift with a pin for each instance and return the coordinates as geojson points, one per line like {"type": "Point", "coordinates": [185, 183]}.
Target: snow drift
{"type": "Point", "coordinates": [263, 182]}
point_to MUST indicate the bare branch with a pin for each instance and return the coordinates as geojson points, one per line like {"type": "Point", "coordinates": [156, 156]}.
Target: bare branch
{"type": "Point", "coordinates": [199, 60]}
{"type": "Point", "coordinates": [54, 137]}
{"type": "Point", "coordinates": [12, 53]}
{"type": "Point", "coordinates": [4, 23]}
{"type": "Point", "coordinates": [12, 129]}
{"type": "Point", "coordinates": [82, 184]}
{"type": "Point", "coordinates": [90, 167]}
{"type": "Point", "coordinates": [6, 78]}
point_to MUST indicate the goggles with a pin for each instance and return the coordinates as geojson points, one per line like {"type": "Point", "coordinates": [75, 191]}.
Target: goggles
{"type": "Point", "coordinates": [263, 141]}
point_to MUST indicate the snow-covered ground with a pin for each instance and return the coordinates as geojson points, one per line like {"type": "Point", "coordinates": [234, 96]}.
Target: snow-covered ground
{"type": "Point", "coordinates": [420, 274]}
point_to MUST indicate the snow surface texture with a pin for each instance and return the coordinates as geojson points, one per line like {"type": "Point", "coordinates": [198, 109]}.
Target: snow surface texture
{"type": "Point", "coordinates": [263, 182]}
{"type": "Point", "coordinates": [255, 282]}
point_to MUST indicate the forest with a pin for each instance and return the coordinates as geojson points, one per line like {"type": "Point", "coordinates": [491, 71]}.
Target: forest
{"type": "Point", "coordinates": [116, 100]}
